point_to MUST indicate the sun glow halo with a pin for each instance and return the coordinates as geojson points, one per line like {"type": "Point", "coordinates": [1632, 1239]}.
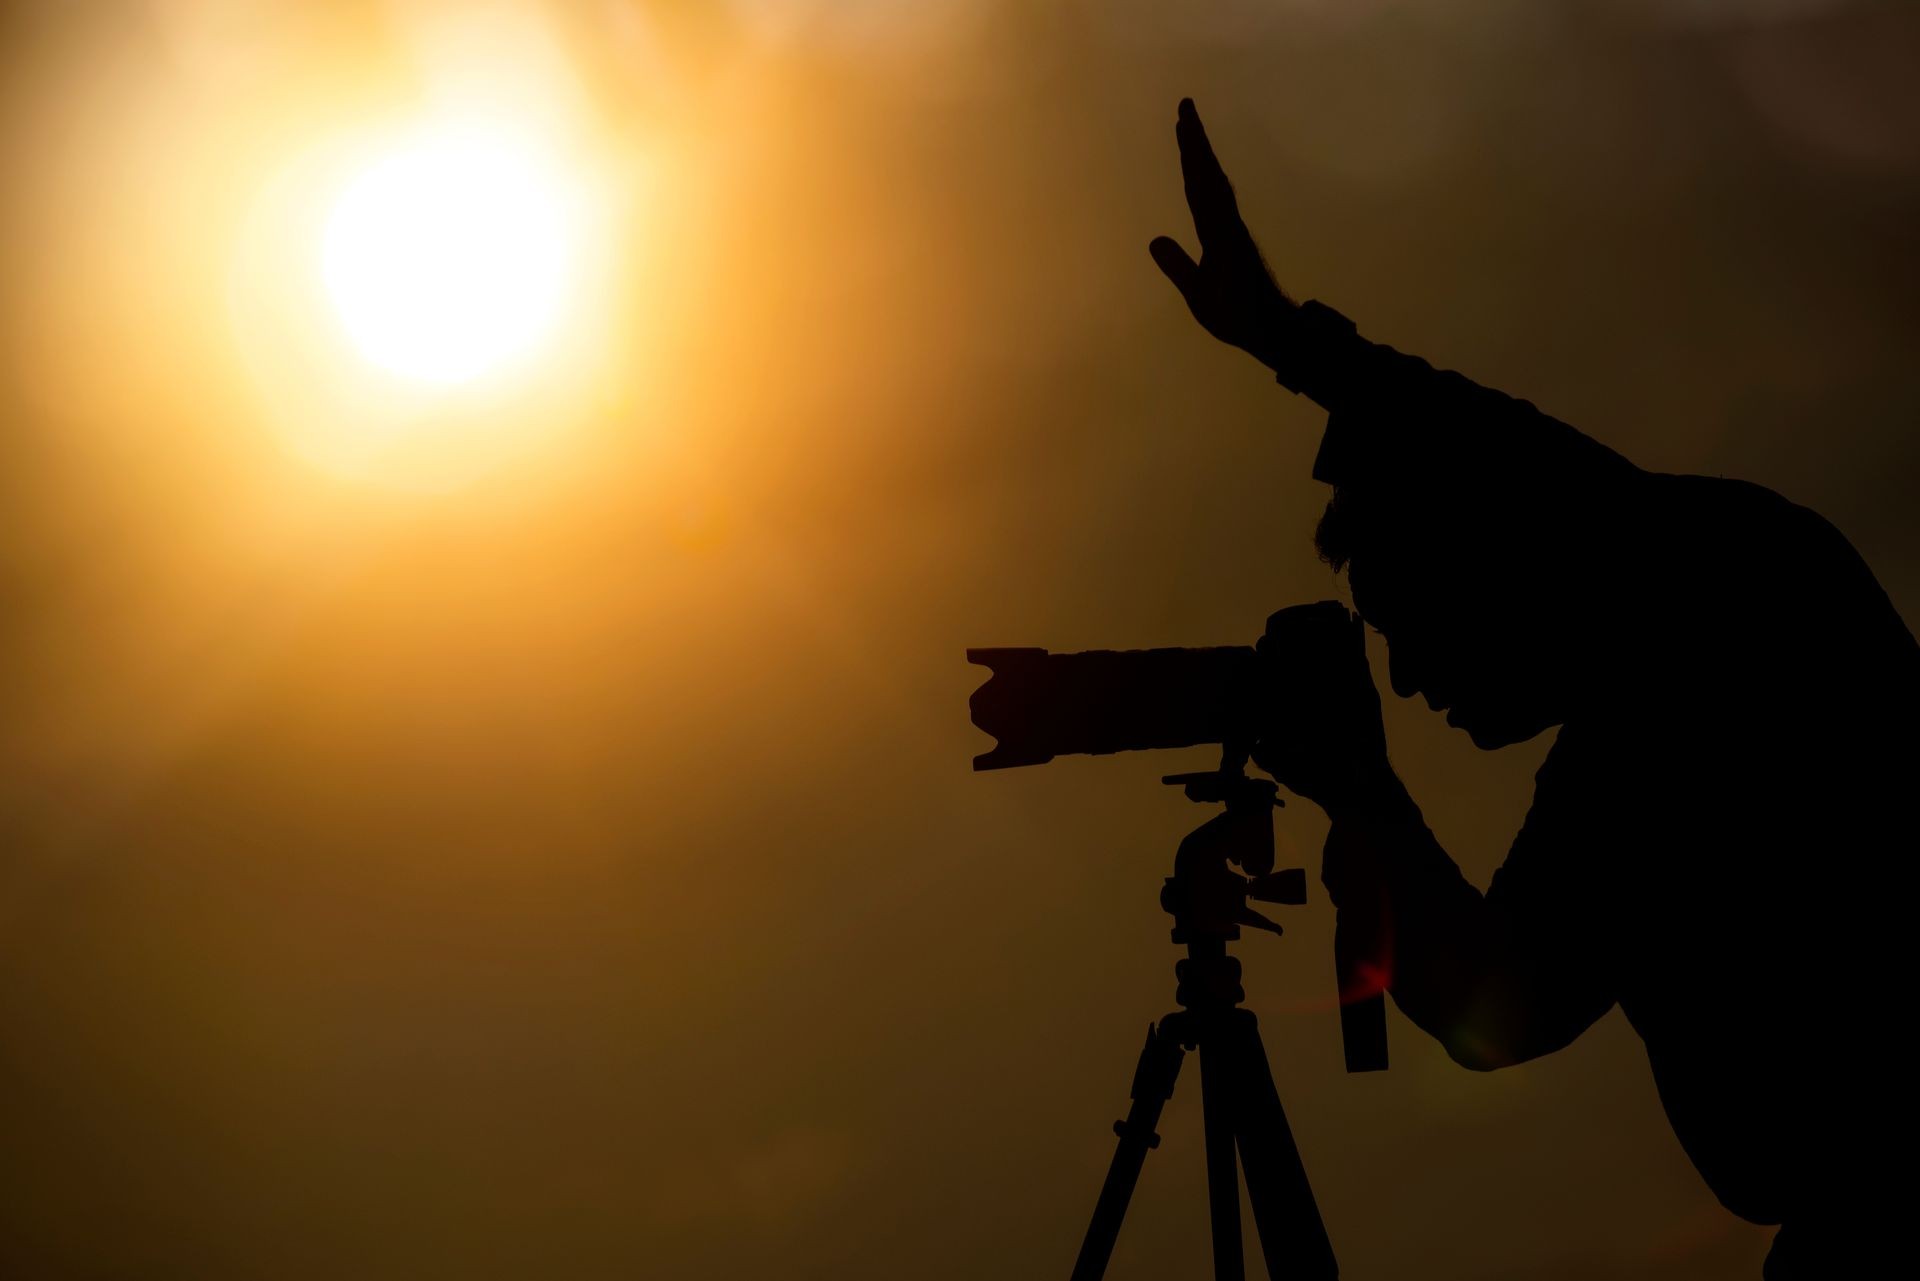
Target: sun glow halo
{"type": "Point", "coordinates": [451, 257]}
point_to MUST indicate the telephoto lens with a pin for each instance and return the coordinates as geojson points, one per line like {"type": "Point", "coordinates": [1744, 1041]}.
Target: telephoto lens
{"type": "Point", "coordinates": [1040, 705]}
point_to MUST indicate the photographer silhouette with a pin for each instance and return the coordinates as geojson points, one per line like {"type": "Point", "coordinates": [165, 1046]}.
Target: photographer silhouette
{"type": "Point", "coordinates": [1719, 840]}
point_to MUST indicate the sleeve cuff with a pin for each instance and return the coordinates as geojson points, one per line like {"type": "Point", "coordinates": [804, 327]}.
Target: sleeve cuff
{"type": "Point", "coordinates": [1316, 352]}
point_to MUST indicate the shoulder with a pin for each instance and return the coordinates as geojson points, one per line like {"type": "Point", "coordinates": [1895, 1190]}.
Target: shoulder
{"type": "Point", "coordinates": [1750, 521]}
{"type": "Point", "coordinates": [1761, 630]}
{"type": "Point", "coordinates": [1710, 504]}
{"type": "Point", "coordinates": [1731, 543]}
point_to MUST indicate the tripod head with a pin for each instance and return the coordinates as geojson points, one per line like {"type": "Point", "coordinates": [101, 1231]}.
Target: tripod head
{"type": "Point", "coordinates": [1209, 900]}
{"type": "Point", "coordinates": [1205, 896]}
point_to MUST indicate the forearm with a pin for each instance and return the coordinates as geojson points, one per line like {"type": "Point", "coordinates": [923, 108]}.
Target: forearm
{"type": "Point", "coordinates": [1394, 413]}
{"type": "Point", "coordinates": [1412, 923]}
{"type": "Point", "coordinates": [1408, 920]}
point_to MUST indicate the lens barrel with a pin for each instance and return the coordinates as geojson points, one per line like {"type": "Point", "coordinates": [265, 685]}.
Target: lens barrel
{"type": "Point", "coordinates": [1041, 705]}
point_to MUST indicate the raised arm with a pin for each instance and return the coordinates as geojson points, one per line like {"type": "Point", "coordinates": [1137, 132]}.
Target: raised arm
{"type": "Point", "coordinates": [1232, 293]}
{"type": "Point", "coordinates": [1389, 411]}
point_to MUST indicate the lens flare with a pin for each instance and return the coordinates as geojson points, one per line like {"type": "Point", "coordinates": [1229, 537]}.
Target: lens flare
{"type": "Point", "coordinates": [450, 257]}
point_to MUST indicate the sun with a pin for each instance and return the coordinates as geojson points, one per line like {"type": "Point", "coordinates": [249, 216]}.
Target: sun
{"type": "Point", "coordinates": [450, 257]}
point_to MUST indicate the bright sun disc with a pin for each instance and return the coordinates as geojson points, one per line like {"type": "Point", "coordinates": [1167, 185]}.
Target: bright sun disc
{"type": "Point", "coordinates": [451, 257]}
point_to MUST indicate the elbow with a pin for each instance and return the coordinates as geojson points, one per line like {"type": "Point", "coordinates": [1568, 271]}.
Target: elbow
{"type": "Point", "coordinates": [1498, 1029]}
{"type": "Point", "coordinates": [1482, 1049]}
{"type": "Point", "coordinates": [1477, 1055]}
{"type": "Point", "coordinates": [1475, 1036]}
{"type": "Point", "coordinates": [1492, 1024]}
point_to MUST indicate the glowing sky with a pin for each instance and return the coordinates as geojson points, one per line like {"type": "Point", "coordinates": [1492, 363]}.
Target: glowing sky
{"type": "Point", "coordinates": [520, 826]}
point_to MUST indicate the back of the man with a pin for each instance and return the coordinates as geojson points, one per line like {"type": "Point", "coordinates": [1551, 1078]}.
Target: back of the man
{"type": "Point", "coordinates": [1747, 836]}
{"type": "Point", "coordinates": [1721, 837]}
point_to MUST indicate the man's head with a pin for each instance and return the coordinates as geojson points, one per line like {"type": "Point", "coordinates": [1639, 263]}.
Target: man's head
{"type": "Point", "coordinates": [1475, 599]}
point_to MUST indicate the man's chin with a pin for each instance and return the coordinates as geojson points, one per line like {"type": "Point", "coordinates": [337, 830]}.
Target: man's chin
{"type": "Point", "coordinates": [1490, 732]}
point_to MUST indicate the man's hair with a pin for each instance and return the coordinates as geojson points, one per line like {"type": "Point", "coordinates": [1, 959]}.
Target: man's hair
{"type": "Point", "coordinates": [1362, 520]}
{"type": "Point", "coordinates": [1338, 533]}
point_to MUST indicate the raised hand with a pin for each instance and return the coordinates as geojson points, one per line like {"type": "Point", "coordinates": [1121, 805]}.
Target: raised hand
{"type": "Point", "coordinates": [1230, 291]}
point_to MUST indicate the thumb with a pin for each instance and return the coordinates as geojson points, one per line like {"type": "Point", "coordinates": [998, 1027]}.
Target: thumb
{"type": "Point", "coordinates": [1175, 265]}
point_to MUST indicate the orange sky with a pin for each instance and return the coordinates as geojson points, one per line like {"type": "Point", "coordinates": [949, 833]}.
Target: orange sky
{"type": "Point", "coordinates": [571, 867]}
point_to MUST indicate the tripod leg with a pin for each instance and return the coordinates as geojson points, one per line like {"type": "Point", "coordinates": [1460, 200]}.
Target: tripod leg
{"type": "Point", "coordinates": [1218, 1104]}
{"type": "Point", "coordinates": [1153, 1082]}
{"type": "Point", "coordinates": [1291, 1234]}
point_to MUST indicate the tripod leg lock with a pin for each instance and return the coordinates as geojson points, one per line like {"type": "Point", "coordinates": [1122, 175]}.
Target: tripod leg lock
{"type": "Point", "coordinates": [1153, 1079]}
{"type": "Point", "coordinates": [1159, 1064]}
{"type": "Point", "coordinates": [1152, 1086]}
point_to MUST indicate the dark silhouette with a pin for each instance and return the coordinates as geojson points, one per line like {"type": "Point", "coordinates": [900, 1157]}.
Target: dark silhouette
{"type": "Point", "coordinates": [1245, 1126]}
{"type": "Point", "coordinates": [1719, 839]}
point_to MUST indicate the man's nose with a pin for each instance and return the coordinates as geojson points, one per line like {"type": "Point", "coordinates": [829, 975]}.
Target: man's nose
{"type": "Point", "coordinates": [1403, 671]}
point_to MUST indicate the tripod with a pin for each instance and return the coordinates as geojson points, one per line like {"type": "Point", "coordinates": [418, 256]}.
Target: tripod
{"type": "Point", "coordinates": [1240, 1106]}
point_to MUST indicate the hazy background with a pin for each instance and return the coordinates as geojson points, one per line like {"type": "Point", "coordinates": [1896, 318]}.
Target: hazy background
{"type": "Point", "coordinates": [576, 872]}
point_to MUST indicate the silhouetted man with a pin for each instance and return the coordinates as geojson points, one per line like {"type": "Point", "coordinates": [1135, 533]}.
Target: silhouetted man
{"type": "Point", "coordinates": [1719, 838]}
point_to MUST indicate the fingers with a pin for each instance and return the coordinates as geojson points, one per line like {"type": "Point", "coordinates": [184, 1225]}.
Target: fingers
{"type": "Point", "coordinates": [1216, 217]}
{"type": "Point", "coordinates": [1175, 265]}
{"type": "Point", "coordinates": [1317, 619]}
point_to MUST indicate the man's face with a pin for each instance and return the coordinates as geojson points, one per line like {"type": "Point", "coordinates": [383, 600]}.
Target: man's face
{"type": "Point", "coordinates": [1484, 659]}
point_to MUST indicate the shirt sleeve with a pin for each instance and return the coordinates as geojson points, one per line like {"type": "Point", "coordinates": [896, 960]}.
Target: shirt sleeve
{"type": "Point", "coordinates": [1392, 415]}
